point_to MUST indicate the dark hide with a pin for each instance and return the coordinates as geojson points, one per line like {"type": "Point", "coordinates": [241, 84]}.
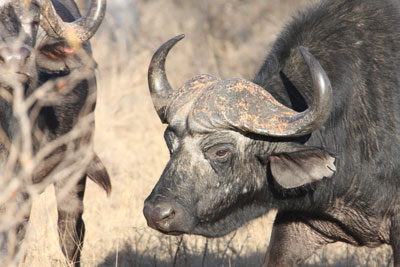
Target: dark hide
{"type": "Point", "coordinates": [358, 44]}
{"type": "Point", "coordinates": [218, 179]}
{"type": "Point", "coordinates": [72, 98]}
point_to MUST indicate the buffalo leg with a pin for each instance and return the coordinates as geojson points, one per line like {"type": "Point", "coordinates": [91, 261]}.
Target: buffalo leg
{"type": "Point", "coordinates": [292, 242]}
{"type": "Point", "coordinates": [71, 228]}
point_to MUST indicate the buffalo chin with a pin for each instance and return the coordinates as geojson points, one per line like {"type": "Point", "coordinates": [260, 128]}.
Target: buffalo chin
{"type": "Point", "coordinates": [230, 222]}
{"type": "Point", "coordinates": [226, 223]}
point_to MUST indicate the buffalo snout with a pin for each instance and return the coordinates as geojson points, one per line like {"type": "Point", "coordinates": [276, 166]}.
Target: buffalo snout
{"type": "Point", "coordinates": [164, 217]}
{"type": "Point", "coordinates": [16, 62]}
{"type": "Point", "coordinates": [17, 58]}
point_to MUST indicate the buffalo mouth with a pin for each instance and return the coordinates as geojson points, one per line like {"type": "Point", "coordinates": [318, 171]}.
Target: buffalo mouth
{"type": "Point", "coordinates": [173, 219]}
{"type": "Point", "coordinates": [175, 233]}
{"type": "Point", "coordinates": [16, 79]}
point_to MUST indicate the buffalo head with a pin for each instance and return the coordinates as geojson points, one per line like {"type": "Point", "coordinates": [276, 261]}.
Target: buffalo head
{"type": "Point", "coordinates": [22, 40]}
{"type": "Point", "coordinates": [230, 141]}
{"type": "Point", "coordinates": [37, 44]}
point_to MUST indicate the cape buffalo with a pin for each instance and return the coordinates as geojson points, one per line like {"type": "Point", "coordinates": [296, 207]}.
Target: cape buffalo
{"type": "Point", "coordinates": [47, 87]}
{"type": "Point", "coordinates": [324, 152]}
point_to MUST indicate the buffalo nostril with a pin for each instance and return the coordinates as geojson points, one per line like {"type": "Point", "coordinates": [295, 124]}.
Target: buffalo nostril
{"type": "Point", "coordinates": [165, 213]}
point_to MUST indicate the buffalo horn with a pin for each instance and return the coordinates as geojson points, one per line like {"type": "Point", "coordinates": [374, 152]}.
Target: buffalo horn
{"type": "Point", "coordinates": [315, 116]}
{"type": "Point", "coordinates": [291, 123]}
{"type": "Point", "coordinates": [159, 87]}
{"type": "Point", "coordinates": [81, 29]}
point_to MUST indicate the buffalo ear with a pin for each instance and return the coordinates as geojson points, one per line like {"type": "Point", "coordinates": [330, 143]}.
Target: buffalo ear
{"type": "Point", "coordinates": [298, 168]}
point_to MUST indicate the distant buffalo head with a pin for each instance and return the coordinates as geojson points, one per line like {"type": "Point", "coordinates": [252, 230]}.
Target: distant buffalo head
{"type": "Point", "coordinates": [33, 37]}
{"type": "Point", "coordinates": [229, 141]}
{"type": "Point", "coordinates": [42, 40]}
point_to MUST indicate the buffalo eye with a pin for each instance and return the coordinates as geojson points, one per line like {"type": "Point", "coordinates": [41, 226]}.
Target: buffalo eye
{"type": "Point", "coordinates": [221, 154]}
{"type": "Point", "coordinates": [57, 51]}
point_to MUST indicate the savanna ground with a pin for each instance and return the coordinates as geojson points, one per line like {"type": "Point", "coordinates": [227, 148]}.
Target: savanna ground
{"type": "Point", "coordinates": [225, 38]}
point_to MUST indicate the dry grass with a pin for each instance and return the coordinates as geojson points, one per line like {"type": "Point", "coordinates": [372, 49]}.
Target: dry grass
{"type": "Point", "coordinates": [226, 38]}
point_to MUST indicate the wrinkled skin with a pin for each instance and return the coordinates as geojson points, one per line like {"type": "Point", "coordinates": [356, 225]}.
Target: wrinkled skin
{"type": "Point", "coordinates": [196, 155]}
{"type": "Point", "coordinates": [339, 183]}
{"type": "Point", "coordinates": [30, 57]}
{"type": "Point", "coordinates": [230, 167]}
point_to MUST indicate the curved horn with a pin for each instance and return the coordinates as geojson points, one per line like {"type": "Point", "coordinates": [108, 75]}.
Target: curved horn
{"type": "Point", "coordinates": [290, 123]}
{"type": "Point", "coordinates": [81, 29]}
{"type": "Point", "coordinates": [250, 108]}
{"type": "Point", "coordinates": [159, 87]}
{"type": "Point", "coordinates": [315, 116]}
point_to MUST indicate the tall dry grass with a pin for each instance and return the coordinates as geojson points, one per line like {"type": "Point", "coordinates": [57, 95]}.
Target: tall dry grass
{"type": "Point", "coordinates": [225, 38]}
